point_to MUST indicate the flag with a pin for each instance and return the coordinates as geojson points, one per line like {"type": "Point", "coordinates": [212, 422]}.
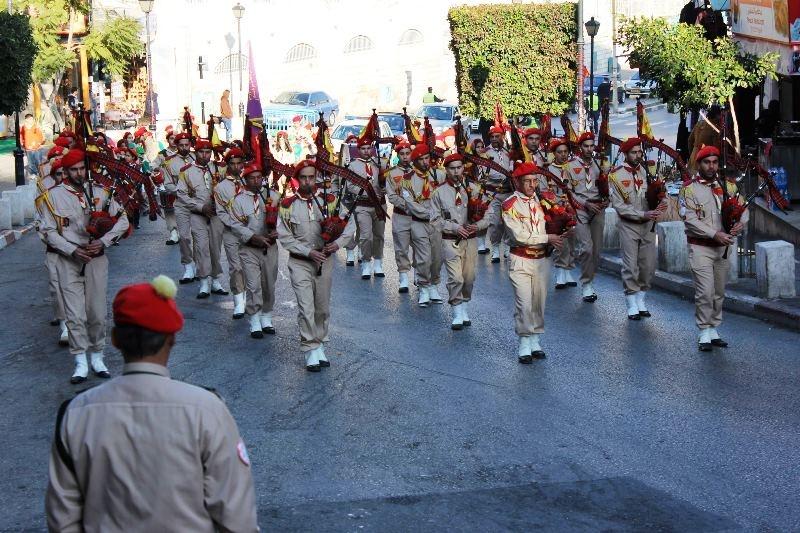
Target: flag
{"type": "Point", "coordinates": [605, 127]}
{"type": "Point", "coordinates": [518, 148]}
{"type": "Point", "coordinates": [213, 136]}
{"type": "Point", "coordinates": [643, 128]}
{"type": "Point", "coordinates": [251, 145]}
{"type": "Point", "coordinates": [371, 131]}
{"type": "Point", "coordinates": [253, 100]}
{"type": "Point", "coordinates": [411, 131]}
{"type": "Point", "coordinates": [569, 130]}
{"type": "Point", "coordinates": [547, 128]}
{"type": "Point", "coordinates": [323, 141]}
{"type": "Point", "coordinates": [499, 117]}
{"type": "Point", "coordinates": [428, 136]}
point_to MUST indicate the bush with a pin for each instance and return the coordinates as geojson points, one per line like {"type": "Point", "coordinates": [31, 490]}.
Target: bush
{"type": "Point", "coordinates": [17, 52]}
{"type": "Point", "coordinates": [521, 55]}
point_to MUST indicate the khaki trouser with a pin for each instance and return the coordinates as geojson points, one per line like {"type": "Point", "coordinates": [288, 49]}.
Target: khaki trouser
{"type": "Point", "coordinates": [530, 278]}
{"type": "Point", "coordinates": [50, 261]}
{"type": "Point", "coordinates": [84, 302]}
{"type": "Point", "coordinates": [710, 273]}
{"type": "Point", "coordinates": [313, 295]}
{"type": "Point", "coordinates": [260, 275]}
{"type": "Point", "coordinates": [436, 254]}
{"type": "Point", "coordinates": [231, 244]}
{"type": "Point", "coordinates": [353, 242]}
{"type": "Point", "coordinates": [170, 221]}
{"type": "Point", "coordinates": [183, 222]}
{"type": "Point", "coordinates": [206, 244]}
{"type": "Point", "coordinates": [422, 247]}
{"type": "Point", "coordinates": [564, 258]}
{"type": "Point", "coordinates": [588, 245]}
{"type": "Point", "coordinates": [638, 246]}
{"type": "Point", "coordinates": [497, 230]}
{"type": "Point", "coordinates": [401, 239]}
{"type": "Point", "coordinates": [370, 233]}
{"type": "Point", "coordinates": [460, 262]}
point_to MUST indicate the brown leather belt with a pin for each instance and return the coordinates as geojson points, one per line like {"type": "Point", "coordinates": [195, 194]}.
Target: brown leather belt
{"type": "Point", "coordinates": [365, 202]}
{"type": "Point", "coordinates": [452, 237]}
{"type": "Point", "coordinates": [529, 252]}
{"type": "Point", "coordinates": [634, 221]}
{"type": "Point", "coordinates": [300, 257]}
{"type": "Point", "coordinates": [52, 250]}
{"type": "Point", "coordinates": [401, 211]}
{"type": "Point", "coordinates": [702, 241]}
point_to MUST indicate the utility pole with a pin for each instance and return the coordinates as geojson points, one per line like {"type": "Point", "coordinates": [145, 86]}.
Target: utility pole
{"type": "Point", "coordinates": [579, 92]}
{"type": "Point", "coordinates": [614, 101]}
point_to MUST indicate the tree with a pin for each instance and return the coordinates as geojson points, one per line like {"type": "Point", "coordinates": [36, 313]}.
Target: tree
{"type": "Point", "coordinates": [17, 52]}
{"type": "Point", "coordinates": [692, 71]}
{"type": "Point", "coordinates": [521, 55]}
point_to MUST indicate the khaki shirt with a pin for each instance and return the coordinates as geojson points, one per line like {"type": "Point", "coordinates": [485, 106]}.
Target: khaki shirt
{"type": "Point", "coordinates": [501, 157]}
{"type": "Point", "coordinates": [196, 186]}
{"type": "Point", "coordinates": [66, 213]}
{"type": "Point", "coordinates": [248, 213]}
{"type": "Point", "coordinates": [701, 207]}
{"type": "Point", "coordinates": [449, 211]}
{"type": "Point", "coordinates": [524, 220]}
{"type": "Point", "coordinates": [299, 228]}
{"type": "Point", "coordinates": [628, 188]}
{"type": "Point", "coordinates": [414, 192]}
{"type": "Point", "coordinates": [366, 169]}
{"type": "Point", "coordinates": [172, 167]}
{"type": "Point", "coordinates": [150, 454]}
{"type": "Point", "coordinates": [224, 193]}
{"type": "Point", "coordinates": [582, 179]}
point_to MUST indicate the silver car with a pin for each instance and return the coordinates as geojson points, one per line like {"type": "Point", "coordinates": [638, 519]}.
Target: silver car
{"type": "Point", "coordinates": [441, 115]}
{"type": "Point", "coordinates": [637, 87]}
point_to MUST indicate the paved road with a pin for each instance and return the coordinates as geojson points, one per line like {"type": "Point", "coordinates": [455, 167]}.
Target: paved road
{"type": "Point", "coordinates": [415, 427]}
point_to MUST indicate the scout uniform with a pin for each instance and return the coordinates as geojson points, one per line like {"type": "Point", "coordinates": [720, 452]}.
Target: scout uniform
{"type": "Point", "coordinates": [401, 222]}
{"type": "Point", "coordinates": [449, 213]}
{"type": "Point", "coordinates": [83, 286]}
{"type": "Point", "coordinates": [144, 452]}
{"type": "Point", "coordinates": [224, 193]}
{"type": "Point", "coordinates": [637, 238]}
{"type": "Point", "coordinates": [701, 210]}
{"type": "Point", "coordinates": [182, 214]}
{"type": "Point", "coordinates": [371, 229]}
{"type": "Point", "coordinates": [563, 261]}
{"type": "Point", "coordinates": [528, 267]}
{"type": "Point", "coordinates": [299, 232]}
{"type": "Point", "coordinates": [498, 184]}
{"type": "Point", "coordinates": [248, 214]}
{"type": "Point", "coordinates": [412, 198]}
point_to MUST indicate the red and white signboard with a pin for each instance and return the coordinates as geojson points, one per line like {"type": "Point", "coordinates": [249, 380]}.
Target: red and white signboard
{"type": "Point", "coordinates": [769, 20]}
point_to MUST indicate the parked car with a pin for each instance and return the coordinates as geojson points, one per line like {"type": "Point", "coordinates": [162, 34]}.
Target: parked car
{"type": "Point", "coordinates": [441, 115]}
{"type": "Point", "coordinates": [354, 126]}
{"type": "Point", "coordinates": [636, 86]}
{"type": "Point", "coordinates": [395, 122]}
{"type": "Point", "coordinates": [278, 114]}
{"type": "Point", "coordinates": [598, 79]}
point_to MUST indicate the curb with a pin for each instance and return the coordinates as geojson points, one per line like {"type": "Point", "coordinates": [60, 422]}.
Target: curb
{"type": "Point", "coordinates": [9, 237]}
{"type": "Point", "coordinates": [647, 107]}
{"type": "Point", "coordinates": [773, 311]}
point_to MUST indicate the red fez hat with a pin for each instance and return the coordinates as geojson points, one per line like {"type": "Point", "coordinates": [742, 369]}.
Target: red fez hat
{"type": "Point", "coordinates": [420, 150]}
{"type": "Point", "coordinates": [402, 145]}
{"type": "Point", "coordinates": [168, 129]}
{"type": "Point", "coordinates": [55, 151]}
{"type": "Point", "coordinates": [73, 157]}
{"type": "Point", "coordinates": [305, 163]}
{"type": "Point", "coordinates": [149, 305]}
{"type": "Point", "coordinates": [630, 144]}
{"type": "Point", "coordinates": [62, 141]}
{"type": "Point", "coordinates": [182, 135]}
{"type": "Point", "coordinates": [525, 169]}
{"type": "Point", "coordinates": [453, 157]}
{"type": "Point", "coordinates": [55, 166]}
{"type": "Point", "coordinates": [249, 169]}
{"type": "Point", "coordinates": [706, 151]}
{"type": "Point", "coordinates": [139, 132]}
{"type": "Point", "coordinates": [586, 136]}
{"type": "Point", "coordinates": [202, 144]}
{"type": "Point", "coordinates": [496, 129]}
{"type": "Point", "coordinates": [532, 131]}
{"type": "Point", "coordinates": [555, 143]}
{"type": "Point", "coordinates": [233, 152]}
{"type": "Point", "coordinates": [282, 134]}
{"type": "Point", "coordinates": [363, 142]}
{"type": "Point", "coordinates": [297, 118]}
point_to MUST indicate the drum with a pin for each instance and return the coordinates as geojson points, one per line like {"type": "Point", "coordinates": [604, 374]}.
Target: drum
{"type": "Point", "coordinates": [167, 200]}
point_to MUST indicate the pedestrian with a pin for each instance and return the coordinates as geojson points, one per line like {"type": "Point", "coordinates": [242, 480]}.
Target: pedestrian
{"type": "Point", "coordinates": [563, 161]}
{"type": "Point", "coordinates": [401, 220]}
{"type": "Point", "coordinates": [310, 267]}
{"type": "Point", "coordinates": [224, 193]}
{"type": "Point", "coordinates": [529, 263]}
{"type": "Point", "coordinates": [430, 98]}
{"type": "Point", "coordinates": [82, 265]}
{"type": "Point", "coordinates": [604, 90]}
{"type": "Point", "coordinates": [637, 237]}
{"type": "Point", "coordinates": [371, 227]}
{"type": "Point", "coordinates": [145, 452]}
{"type": "Point", "coordinates": [593, 105]}
{"type": "Point", "coordinates": [453, 216]}
{"type": "Point", "coordinates": [226, 113]}
{"type": "Point", "coordinates": [284, 152]}
{"type": "Point", "coordinates": [32, 139]}
{"type": "Point", "coordinates": [177, 216]}
{"type": "Point", "coordinates": [253, 219]}
{"type": "Point", "coordinates": [710, 245]}
{"type": "Point", "coordinates": [705, 133]}
{"type": "Point", "coordinates": [498, 184]}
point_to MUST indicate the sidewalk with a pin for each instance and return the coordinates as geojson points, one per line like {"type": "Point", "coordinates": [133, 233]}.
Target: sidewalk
{"type": "Point", "coordinates": [740, 297]}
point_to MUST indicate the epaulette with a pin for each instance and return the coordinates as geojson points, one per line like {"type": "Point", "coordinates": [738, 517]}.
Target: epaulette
{"type": "Point", "coordinates": [509, 202]}
{"type": "Point", "coordinates": [186, 167]}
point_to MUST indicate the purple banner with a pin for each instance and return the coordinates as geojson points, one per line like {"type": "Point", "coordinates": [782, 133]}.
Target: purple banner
{"type": "Point", "coordinates": [253, 100]}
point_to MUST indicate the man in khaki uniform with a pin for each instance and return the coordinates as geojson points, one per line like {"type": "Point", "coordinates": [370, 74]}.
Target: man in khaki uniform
{"type": "Point", "coordinates": [310, 267]}
{"type": "Point", "coordinates": [252, 223]}
{"type": "Point", "coordinates": [533, 143]}
{"type": "Point", "coordinates": [82, 265]}
{"type": "Point", "coordinates": [371, 228]}
{"type": "Point", "coordinates": [499, 185]}
{"type": "Point", "coordinates": [561, 166]}
{"type": "Point", "coordinates": [401, 221]}
{"type": "Point", "coordinates": [584, 172]}
{"type": "Point", "coordinates": [195, 190]}
{"type": "Point", "coordinates": [450, 216]}
{"type": "Point", "coordinates": [637, 238]}
{"type": "Point", "coordinates": [144, 452]}
{"type": "Point", "coordinates": [412, 198]}
{"type": "Point", "coordinates": [224, 193]}
{"type": "Point", "coordinates": [529, 263]}
{"type": "Point", "coordinates": [183, 216]}
{"type": "Point", "coordinates": [710, 246]}
{"type": "Point", "coordinates": [159, 162]}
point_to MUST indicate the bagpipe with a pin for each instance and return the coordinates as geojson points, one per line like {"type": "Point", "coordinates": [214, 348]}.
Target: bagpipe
{"type": "Point", "coordinates": [476, 206]}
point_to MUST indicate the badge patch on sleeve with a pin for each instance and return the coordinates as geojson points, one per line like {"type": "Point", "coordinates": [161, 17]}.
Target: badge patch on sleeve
{"type": "Point", "coordinates": [241, 451]}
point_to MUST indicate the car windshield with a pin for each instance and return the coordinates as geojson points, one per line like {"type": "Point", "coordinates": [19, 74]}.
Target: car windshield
{"type": "Point", "coordinates": [291, 98]}
{"type": "Point", "coordinates": [436, 112]}
{"type": "Point", "coordinates": [343, 131]}
{"type": "Point", "coordinates": [395, 122]}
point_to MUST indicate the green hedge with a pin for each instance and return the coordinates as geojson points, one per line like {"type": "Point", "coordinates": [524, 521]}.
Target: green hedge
{"type": "Point", "coordinates": [521, 55]}
{"type": "Point", "coordinates": [17, 52]}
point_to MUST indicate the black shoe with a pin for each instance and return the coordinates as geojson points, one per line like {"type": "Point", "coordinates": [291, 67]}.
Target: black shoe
{"type": "Point", "coordinates": [350, 263]}
{"type": "Point", "coordinates": [324, 364]}
{"type": "Point", "coordinates": [645, 314]}
{"type": "Point", "coordinates": [380, 275]}
{"type": "Point", "coordinates": [704, 347]}
{"type": "Point", "coordinates": [184, 281]}
{"type": "Point", "coordinates": [561, 286]}
{"type": "Point", "coordinates": [77, 379]}
{"type": "Point", "coordinates": [457, 327]}
{"type": "Point", "coordinates": [525, 359]}
{"type": "Point", "coordinates": [365, 276]}
{"type": "Point", "coordinates": [104, 374]}
{"type": "Point", "coordinates": [55, 322]}
{"type": "Point", "coordinates": [171, 243]}
{"type": "Point", "coordinates": [483, 252]}
{"type": "Point", "coordinates": [269, 330]}
{"type": "Point", "coordinates": [468, 322]}
{"type": "Point", "coordinates": [221, 292]}
{"type": "Point", "coordinates": [63, 343]}
{"type": "Point", "coordinates": [572, 284]}
{"type": "Point", "coordinates": [402, 290]}
{"type": "Point", "coordinates": [237, 316]}
{"type": "Point", "coordinates": [202, 295]}
{"type": "Point", "coordinates": [313, 368]}
{"type": "Point", "coordinates": [634, 317]}
{"type": "Point", "coordinates": [359, 261]}
{"type": "Point", "coordinates": [257, 334]}
{"type": "Point", "coordinates": [538, 354]}
{"type": "Point", "coordinates": [719, 343]}
{"type": "Point", "coordinates": [590, 299]}
{"type": "Point", "coordinates": [495, 259]}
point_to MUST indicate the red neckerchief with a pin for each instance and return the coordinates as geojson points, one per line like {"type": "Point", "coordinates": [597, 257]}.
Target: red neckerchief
{"type": "Point", "coordinates": [637, 182]}
{"type": "Point", "coordinates": [80, 195]}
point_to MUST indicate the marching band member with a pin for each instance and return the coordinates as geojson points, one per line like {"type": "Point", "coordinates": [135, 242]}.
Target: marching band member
{"type": "Point", "coordinates": [497, 184]}
{"type": "Point", "coordinates": [533, 140]}
{"type": "Point", "coordinates": [564, 261]}
{"type": "Point", "coordinates": [401, 220]}
{"type": "Point", "coordinates": [179, 219]}
{"type": "Point", "coordinates": [371, 228]}
{"type": "Point", "coordinates": [224, 193]}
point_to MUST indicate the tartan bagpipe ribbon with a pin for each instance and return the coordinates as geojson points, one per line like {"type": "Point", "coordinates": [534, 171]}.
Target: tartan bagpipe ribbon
{"type": "Point", "coordinates": [123, 180]}
{"type": "Point", "coordinates": [411, 131]}
{"type": "Point", "coordinates": [429, 139]}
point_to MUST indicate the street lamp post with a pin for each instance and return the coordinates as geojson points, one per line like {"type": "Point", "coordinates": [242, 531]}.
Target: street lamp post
{"type": "Point", "coordinates": [19, 153]}
{"type": "Point", "coordinates": [147, 7]}
{"type": "Point", "coordinates": [592, 27]}
{"type": "Point", "coordinates": [579, 92]}
{"type": "Point", "coordinates": [238, 13]}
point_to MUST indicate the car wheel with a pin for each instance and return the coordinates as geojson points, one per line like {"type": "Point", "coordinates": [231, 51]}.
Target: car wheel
{"type": "Point", "coordinates": [332, 118]}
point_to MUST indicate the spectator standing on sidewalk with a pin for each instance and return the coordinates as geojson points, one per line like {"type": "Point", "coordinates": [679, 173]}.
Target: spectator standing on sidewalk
{"type": "Point", "coordinates": [32, 139]}
{"type": "Point", "coordinates": [226, 113]}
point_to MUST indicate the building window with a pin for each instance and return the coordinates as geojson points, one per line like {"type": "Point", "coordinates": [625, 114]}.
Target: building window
{"type": "Point", "coordinates": [410, 36]}
{"type": "Point", "coordinates": [300, 52]}
{"type": "Point", "coordinates": [231, 63]}
{"type": "Point", "coordinates": [359, 43]}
